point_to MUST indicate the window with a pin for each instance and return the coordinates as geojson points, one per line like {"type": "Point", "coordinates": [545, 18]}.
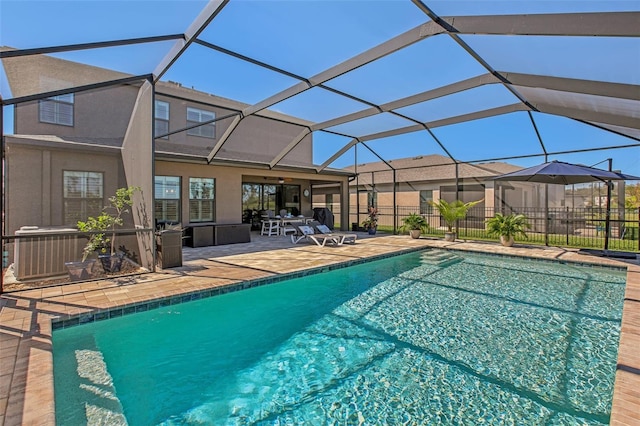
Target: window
{"type": "Point", "coordinates": [57, 110]}
{"type": "Point", "coordinates": [372, 199]}
{"type": "Point", "coordinates": [82, 195]}
{"type": "Point", "coordinates": [195, 116]}
{"type": "Point", "coordinates": [426, 196]}
{"type": "Point", "coordinates": [167, 194]}
{"type": "Point", "coordinates": [161, 121]}
{"type": "Point", "coordinates": [201, 199]}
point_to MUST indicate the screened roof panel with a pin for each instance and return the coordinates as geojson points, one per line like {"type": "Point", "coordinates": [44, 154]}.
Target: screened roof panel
{"type": "Point", "coordinates": [214, 72]}
{"type": "Point", "coordinates": [490, 138]}
{"type": "Point", "coordinates": [326, 145]}
{"type": "Point", "coordinates": [468, 101]}
{"type": "Point", "coordinates": [626, 111]}
{"type": "Point", "coordinates": [433, 62]}
{"type": "Point", "coordinates": [613, 59]}
{"type": "Point", "coordinates": [32, 75]}
{"type": "Point", "coordinates": [564, 134]}
{"type": "Point", "coordinates": [261, 140]}
{"type": "Point", "coordinates": [306, 37]}
{"type": "Point", "coordinates": [33, 24]}
{"type": "Point", "coordinates": [374, 124]}
{"type": "Point", "coordinates": [492, 7]}
{"type": "Point", "coordinates": [318, 105]}
{"type": "Point", "coordinates": [406, 145]}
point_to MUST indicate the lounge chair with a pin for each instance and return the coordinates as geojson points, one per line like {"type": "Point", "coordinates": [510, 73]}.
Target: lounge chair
{"type": "Point", "coordinates": [306, 232]}
{"type": "Point", "coordinates": [343, 237]}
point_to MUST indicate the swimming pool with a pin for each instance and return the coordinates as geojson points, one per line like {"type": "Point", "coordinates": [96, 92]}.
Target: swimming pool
{"type": "Point", "coordinates": [432, 338]}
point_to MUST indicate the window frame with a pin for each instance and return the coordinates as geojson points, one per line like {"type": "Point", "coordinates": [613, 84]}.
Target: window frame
{"type": "Point", "coordinates": [57, 102]}
{"type": "Point", "coordinates": [85, 209]}
{"type": "Point", "coordinates": [157, 119]}
{"type": "Point", "coordinates": [165, 201]}
{"type": "Point", "coordinates": [198, 131]}
{"type": "Point", "coordinates": [200, 201]}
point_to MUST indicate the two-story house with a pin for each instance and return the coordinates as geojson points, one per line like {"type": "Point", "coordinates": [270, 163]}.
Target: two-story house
{"type": "Point", "coordinates": [194, 156]}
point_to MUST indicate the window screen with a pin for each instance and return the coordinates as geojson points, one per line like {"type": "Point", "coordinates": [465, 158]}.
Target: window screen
{"type": "Point", "coordinates": [201, 199]}
{"type": "Point", "coordinates": [82, 193]}
{"type": "Point", "coordinates": [195, 116]}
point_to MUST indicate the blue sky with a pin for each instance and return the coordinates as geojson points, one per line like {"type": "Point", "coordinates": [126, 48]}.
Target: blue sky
{"type": "Point", "coordinates": [307, 37]}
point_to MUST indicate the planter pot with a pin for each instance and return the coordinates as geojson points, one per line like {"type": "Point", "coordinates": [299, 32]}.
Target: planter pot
{"type": "Point", "coordinates": [450, 236]}
{"type": "Point", "coordinates": [506, 241]}
{"type": "Point", "coordinates": [415, 233]}
{"type": "Point", "coordinates": [80, 271]}
{"type": "Point", "coordinates": [372, 231]}
{"type": "Point", "coordinates": [111, 263]}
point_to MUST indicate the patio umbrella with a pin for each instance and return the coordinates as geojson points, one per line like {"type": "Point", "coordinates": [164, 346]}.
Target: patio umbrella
{"type": "Point", "coordinates": [561, 173]}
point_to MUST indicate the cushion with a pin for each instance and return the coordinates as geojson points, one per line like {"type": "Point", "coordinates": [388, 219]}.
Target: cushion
{"type": "Point", "coordinates": [306, 230]}
{"type": "Point", "coordinates": [324, 229]}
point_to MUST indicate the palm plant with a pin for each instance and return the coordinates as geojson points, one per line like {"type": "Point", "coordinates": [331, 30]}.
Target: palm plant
{"type": "Point", "coordinates": [453, 211]}
{"type": "Point", "coordinates": [414, 222]}
{"type": "Point", "coordinates": [507, 227]}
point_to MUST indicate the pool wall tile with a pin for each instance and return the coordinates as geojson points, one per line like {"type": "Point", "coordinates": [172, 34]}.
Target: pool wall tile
{"type": "Point", "coordinates": [244, 285]}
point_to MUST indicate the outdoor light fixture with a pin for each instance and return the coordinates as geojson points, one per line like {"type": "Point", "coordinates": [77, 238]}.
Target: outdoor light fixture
{"type": "Point", "coordinates": [280, 180]}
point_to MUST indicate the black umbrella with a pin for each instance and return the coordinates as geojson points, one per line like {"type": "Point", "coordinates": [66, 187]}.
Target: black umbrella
{"type": "Point", "coordinates": [561, 173]}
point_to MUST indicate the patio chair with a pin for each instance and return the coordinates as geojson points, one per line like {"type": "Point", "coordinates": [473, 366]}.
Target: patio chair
{"type": "Point", "coordinates": [343, 237]}
{"type": "Point", "coordinates": [306, 232]}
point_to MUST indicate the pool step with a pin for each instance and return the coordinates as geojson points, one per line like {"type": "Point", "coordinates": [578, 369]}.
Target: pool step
{"type": "Point", "coordinates": [102, 406]}
{"type": "Point", "coordinates": [440, 258]}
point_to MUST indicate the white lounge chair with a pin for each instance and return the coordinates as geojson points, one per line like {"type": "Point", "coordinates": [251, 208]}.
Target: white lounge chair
{"type": "Point", "coordinates": [306, 232]}
{"type": "Point", "coordinates": [343, 237]}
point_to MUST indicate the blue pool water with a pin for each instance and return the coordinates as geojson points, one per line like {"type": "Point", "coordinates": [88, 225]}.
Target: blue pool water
{"type": "Point", "coordinates": [426, 338]}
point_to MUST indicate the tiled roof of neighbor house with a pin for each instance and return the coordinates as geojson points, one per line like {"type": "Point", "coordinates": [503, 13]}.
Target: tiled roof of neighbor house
{"type": "Point", "coordinates": [427, 168]}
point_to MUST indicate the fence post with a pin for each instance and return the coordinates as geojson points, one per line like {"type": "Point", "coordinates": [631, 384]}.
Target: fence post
{"type": "Point", "coordinates": [567, 219]}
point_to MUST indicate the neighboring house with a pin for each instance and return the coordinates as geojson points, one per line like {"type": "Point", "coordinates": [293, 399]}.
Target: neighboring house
{"type": "Point", "coordinates": [420, 180]}
{"type": "Point", "coordinates": [70, 152]}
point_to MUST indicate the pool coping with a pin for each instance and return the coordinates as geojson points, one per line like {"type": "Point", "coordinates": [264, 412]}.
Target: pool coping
{"type": "Point", "coordinates": [32, 401]}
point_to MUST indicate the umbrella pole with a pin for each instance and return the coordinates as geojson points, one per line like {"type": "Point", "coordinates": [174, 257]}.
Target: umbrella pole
{"type": "Point", "coordinates": [607, 217]}
{"type": "Point", "coordinates": [546, 214]}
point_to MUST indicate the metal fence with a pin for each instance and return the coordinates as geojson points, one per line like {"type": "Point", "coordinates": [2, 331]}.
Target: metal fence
{"type": "Point", "coordinates": [567, 227]}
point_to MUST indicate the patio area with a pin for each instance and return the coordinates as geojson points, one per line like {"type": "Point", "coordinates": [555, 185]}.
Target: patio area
{"type": "Point", "coordinates": [26, 390]}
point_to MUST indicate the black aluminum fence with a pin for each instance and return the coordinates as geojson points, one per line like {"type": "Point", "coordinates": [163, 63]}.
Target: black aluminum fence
{"type": "Point", "coordinates": [566, 227]}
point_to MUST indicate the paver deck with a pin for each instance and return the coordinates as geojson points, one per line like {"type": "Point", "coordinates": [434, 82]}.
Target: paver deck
{"type": "Point", "coordinates": [26, 361]}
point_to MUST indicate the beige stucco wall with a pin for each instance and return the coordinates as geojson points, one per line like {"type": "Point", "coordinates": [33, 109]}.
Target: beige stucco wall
{"type": "Point", "coordinates": [260, 138]}
{"type": "Point", "coordinates": [228, 191]}
{"type": "Point", "coordinates": [101, 113]}
{"type": "Point", "coordinates": [34, 176]}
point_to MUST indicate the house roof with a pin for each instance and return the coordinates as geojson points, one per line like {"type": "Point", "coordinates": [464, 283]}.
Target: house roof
{"type": "Point", "coordinates": [427, 168]}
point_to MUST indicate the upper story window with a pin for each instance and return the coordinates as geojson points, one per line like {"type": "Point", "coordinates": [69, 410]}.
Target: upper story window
{"type": "Point", "coordinates": [57, 110]}
{"type": "Point", "coordinates": [161, 121]}
{"type": "Point", "coordinates": [195, 116]}
{"type": "Point", "coordinates": [82, 194]}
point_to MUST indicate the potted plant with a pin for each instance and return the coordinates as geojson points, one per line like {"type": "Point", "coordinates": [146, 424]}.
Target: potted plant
{"type": "Point", "coordinates": [371, 222]}
{"type": "Point", "coordinates": [507, 227]}
{"type": "Point", "coordinates": [101, 229]}
{"type": "Point", "coordinates": [415, 224]}
{"type": "Point", "coordinates": [451, 213]}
